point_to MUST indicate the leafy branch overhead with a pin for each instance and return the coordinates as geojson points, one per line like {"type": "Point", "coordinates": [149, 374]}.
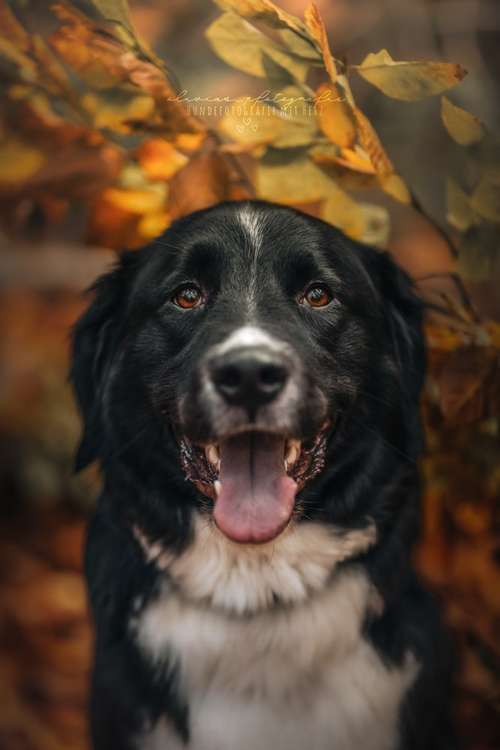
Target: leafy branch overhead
{"type": "Point", "coordinates": [473, 193]}
{"type": "Point", "coordinates": [90, 114]}
{"type": "Point", "coordinates": [315, 141]}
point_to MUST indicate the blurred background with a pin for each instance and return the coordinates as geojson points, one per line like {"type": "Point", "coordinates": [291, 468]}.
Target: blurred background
{"type": "Point", "coordinates": [50, 252]}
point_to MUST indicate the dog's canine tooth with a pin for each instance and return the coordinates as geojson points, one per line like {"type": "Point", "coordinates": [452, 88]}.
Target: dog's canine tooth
{"type": "Point", "coordinates": [217, 487]}
{"type": "Point", "coordinates": [212, 454]}
{"type": "Point", "coordinates": [292, 452]}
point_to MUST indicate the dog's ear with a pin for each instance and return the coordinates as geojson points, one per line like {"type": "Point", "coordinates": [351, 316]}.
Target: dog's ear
{"type": "Point", "coordinates": [94, 344]}
{"type": "Point", "coordinates": [404, 312]}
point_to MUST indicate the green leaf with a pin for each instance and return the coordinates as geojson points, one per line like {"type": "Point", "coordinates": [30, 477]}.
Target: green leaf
{"type": "Point", "coordinates": [239, 44]}
{"type": "Point", "coordinates": [408, 81]}
{"type": "Point", "coordinates": [463, 127]}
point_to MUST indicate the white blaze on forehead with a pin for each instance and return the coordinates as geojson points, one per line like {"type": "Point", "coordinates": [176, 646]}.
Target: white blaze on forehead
{"type": "Point", "coordinates": [250, 221]}
{"type": "Point", "coordinates": [249, 336]}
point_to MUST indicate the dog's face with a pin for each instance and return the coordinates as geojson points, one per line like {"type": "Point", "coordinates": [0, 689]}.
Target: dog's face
{"type": "Point", "coordinates": [256, 352]}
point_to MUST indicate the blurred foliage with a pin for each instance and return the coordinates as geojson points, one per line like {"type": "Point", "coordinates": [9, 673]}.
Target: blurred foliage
{"type": "Point", "coordinates": [92, 119]}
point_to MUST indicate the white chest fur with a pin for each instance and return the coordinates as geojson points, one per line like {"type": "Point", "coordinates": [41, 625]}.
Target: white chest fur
{"type": "Point", "coordinates": [299, 677]}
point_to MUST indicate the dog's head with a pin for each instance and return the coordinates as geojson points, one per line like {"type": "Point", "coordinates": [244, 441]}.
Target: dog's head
{"type": "Point", "coordinates": [258, 353]}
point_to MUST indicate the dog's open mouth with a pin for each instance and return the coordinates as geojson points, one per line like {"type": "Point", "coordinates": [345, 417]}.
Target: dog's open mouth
{"type": "Point", "coordinates": [253, 478]}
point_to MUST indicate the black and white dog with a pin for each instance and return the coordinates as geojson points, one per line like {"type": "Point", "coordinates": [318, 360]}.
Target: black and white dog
{"type": "Point", "coordinates": [250, 385]}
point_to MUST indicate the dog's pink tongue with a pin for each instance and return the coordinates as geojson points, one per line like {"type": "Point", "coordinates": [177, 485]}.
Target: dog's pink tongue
{"type": "Point", "coordinates": [256, 498]}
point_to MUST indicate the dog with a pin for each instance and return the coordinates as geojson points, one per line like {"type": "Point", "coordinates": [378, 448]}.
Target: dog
{"type": "Point", "coordinates": [249, 383]}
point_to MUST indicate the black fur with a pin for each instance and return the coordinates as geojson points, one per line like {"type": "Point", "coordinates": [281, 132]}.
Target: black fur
{"type": "Point", "coordinates": [136, 357]}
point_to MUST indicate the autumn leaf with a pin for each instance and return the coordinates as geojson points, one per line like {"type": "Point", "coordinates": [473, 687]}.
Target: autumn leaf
{"type": "Point", "coordinates": [459, 211]}
{"type": "Point", "coordinates": [159, 159]}
{"type": "Point", "coordinates": [370, 141]}
{"type": "Point", "coordinates": [356, 159]}
{"type": "Point", "coordinates": [408, 81]}
{"type": "Point", "coordinates": [242, 45]}
{"type": "Point", "coordinates": [253, 125]}
{"type": "Point", "coordinates": [485, 199]}
{"type": "Point", "coordinates": [120, 111]}
{"type": "Point", "coordinates": [18, 161]}
{"type": "Point", "coordinates": [208, 178]}
{"type": "Point", "coordinates": [463, 127]}
{"type": "Point", "coordinates": [115, 10]}
{"type": "Point", "coordinates": [395, 186]}
{"type": "Point", "coordinates": [461, 380]}
{"type": "Point", "coordinates": [263, 10]}
{"type": "Point", "coordinates": [290, 178]}
{"type": "Point", "coordinates": [316, 28]}
{"type": "Point", "coordinates": [335, 116]}
{"type": "Point", "coordinates": [343, 212]}
{"type": "Point", "coordinates": [301, 46]}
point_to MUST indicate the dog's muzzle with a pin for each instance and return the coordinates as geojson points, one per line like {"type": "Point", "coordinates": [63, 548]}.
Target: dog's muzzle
{"type": "Point", "coordinates": [252, 459]}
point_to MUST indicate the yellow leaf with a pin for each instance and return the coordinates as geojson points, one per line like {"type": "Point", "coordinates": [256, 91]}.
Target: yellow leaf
{"type": "Point", "coordinates": [370, 141]}
{"type": "Point", "coordinates": [343, 212]}
{"type": "Point", "coordinates": [189, 141]}
{"type": "Point", "coordinates": [55, 77]}
{"type": "Point", "coordinates": [138, 201]}
{"type": "Point", "coordinates": [133, 177]}
{"type": "Point", "coordinates": [335, 116]}
{"type": "Point", "coordinates": [11, 55]}
{"type": "Point", "coordinates": [316, 29]}
{"type": "Point", "coordinates": [459, 212]}
{"type": "Point", "coordinates": [118, 110]}
{"type": "Point", "coordinates": [114, 10]}
{"type": "Point", "coordinates": [356, 159]}
{"type": "Point", "coordinates": [346, 173]}
{"type": "Point", "coordinates": [159, 159]}
{"type": "Point", "coordinates": [463, 127]}
{"type": "Point", "coordinates": [241, 45]}
{"type": "Point", "coordinates": [394, 185]}
{"type": "Point", "coordinates": [19, 161]}
{"type": "Point", "coordinates": [263, 10]}
{"type": "Point", "coordinates": [12, 29]}
{"type": "Point", "coordinates": [485, 200]}
{"type": "Point", "coordinates": [291, 179]}
{"type": "Point", "coordinates": [301, 46]}
{"type": "Point", "coordinates": [250, 123]}
{"type": "Point", "coordinates": [153, 224]}
{"type": "Point", "coordinates": [409, 81]}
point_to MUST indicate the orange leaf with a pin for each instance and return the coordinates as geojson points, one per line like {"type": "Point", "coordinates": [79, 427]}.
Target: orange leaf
{"type": "Point", "coordinates": [159, 159]}
{"type": "Point", "coordinates": [370, 141]}
{"type": "Point", "coordinates": [335, 116]}
{"type": "Point", "coordinates": [316, 28]}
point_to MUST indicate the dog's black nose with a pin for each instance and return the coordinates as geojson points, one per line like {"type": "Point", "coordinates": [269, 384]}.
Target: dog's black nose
{"type": "Point", "coordinates": [249, 377]}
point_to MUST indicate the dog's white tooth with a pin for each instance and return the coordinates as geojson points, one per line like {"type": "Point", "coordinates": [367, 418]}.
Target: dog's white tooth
{"type": "Point", "coordinates": [217, 486]}
{"type": "Point", "coordinates": [292, 452]}
{"type": "Point", "coordinates": [212, 455]}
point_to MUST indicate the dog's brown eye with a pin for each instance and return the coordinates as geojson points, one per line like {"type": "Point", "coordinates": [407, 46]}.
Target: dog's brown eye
{"type": "Point", "coordinates": [188, 296]}
{"type": "Point", "coordinates": [317, 295]}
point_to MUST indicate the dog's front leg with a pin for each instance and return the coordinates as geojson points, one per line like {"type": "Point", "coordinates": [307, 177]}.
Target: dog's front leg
{"type": "Point", "coordinates": [129, 697]}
